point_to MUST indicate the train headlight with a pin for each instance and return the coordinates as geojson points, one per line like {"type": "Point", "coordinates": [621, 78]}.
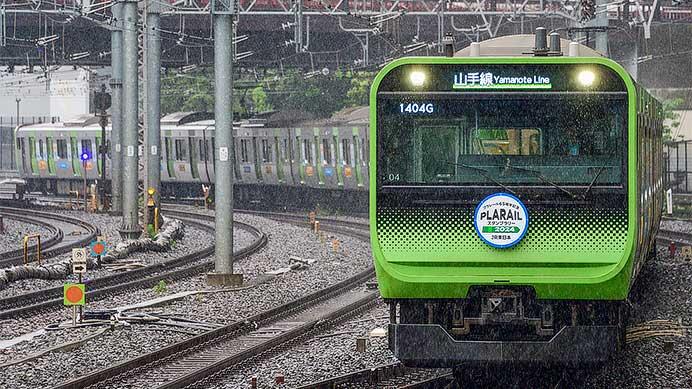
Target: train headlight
{"type": "Point", "coordinates": [417, 78]}
{"type": "Point", "coordinates": [586, 78]}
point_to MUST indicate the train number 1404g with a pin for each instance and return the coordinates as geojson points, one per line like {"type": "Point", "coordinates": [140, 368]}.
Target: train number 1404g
{"type": "Point", "coordinates": [417, 108]}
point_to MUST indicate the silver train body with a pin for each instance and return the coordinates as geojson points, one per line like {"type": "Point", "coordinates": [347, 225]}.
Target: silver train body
{"type": "Point", "coordinates": [273, 156]}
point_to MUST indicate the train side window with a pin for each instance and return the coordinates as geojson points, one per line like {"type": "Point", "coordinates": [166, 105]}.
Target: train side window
{"type": "Point", "coordinates": [244, 158]}
{"type": "Point", "coordinates": [266, 151]}
{"type": "Point", "coordinates": [86, 148]}
{"type": "Point", "coordinates": [327, 151]}
{"type": "Point", "coordinates": [62, 148]}
{"type": "Point", "coordinates": [41, 154]}
{"type": "Point", "coordinates": [180, 150]}
{"type": "Point", "coordinates": [346, 151]}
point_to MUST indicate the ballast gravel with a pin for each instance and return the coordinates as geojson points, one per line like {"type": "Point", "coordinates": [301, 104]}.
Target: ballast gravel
{"type": "Point", "coordinates": [15, 231]}
{"type": "Point", "coordinates": [194, 239]}
{"type": "Point", "coordinates": [329, 354]}
{"type": "Point", "coordinates": [331, 265]}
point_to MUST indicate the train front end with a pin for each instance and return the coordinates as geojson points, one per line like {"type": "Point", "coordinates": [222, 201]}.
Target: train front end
{"type": "Point", "coordinates": [503, 207]}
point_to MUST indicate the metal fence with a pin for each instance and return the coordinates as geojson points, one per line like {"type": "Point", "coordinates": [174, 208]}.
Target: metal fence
{"type": "Point", "coordinates": [7, 126]}
{"type": "Point", "coordinates": [677, 166]}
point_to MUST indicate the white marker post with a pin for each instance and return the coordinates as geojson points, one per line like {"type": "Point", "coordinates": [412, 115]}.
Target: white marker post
{"type": "Point", "coordinates": [669, 201]}
{"type": "Point", "coordinates": [79, 265]}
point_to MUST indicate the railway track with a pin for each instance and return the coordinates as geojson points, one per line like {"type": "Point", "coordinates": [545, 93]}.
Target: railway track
{"type": "Point", "coordinates": [66, 233]}
{"type": "Point", "coordinates": [178, 268]}
{"type": "Point", "coordinates": [196, 360]}
{"type": "Point", "coordinates": [668, 236]}
{"type": "Point", "coordinates": [393, 375]}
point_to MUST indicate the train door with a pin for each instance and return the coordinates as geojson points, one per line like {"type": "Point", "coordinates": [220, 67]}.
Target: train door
{"type": "Point", "coordinates": [74, 156]}
{"type": "Point", "coordinates": [21, 144]}
{"type": "Point", "coordinates": [291, 157]}
{"type": "Point", "coordinates": [309, 161]}
{"type": "Point", "coordinates": [338, 158]}
{"type": "Point", "coordinates": [97, 155]}
{"type": "Point", "coordinates": [182, 160]}
{"type": "Point", "coordinates": [32, 155]}
{"type": "Point", "coordinates": [330, 176]}
{"type": "Point", "coordinates": [280, 158]}
{"type": "Point", "coordinates": [88, 150]}
{"type": "Point", "coordinates": [358, 161]}
{"type": "Point", "coordinates": [203, 145]}
{"type": "Point", "coordinates": [41, 157]}
{"type": "Point", "coordinates": [346, 158]}
{"type": "Point", "coordinates": [194, 158]}
{"type": "Point", "coordinates": [170, 158]}
{"type": "Point", "coordinates": [256, 160]}
{"type": "Point", "coordinates": [247, 167]}
{"type": "Point", "coordinates": [267, 159]}
{"type": "Point", "coordinates": [50, 157]}
{"type": "Point", "coordinates": [62, 158]}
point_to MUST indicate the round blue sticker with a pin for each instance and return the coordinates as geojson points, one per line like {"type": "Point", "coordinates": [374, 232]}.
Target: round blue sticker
{"type": "Point", "coordinates": [501, 220]}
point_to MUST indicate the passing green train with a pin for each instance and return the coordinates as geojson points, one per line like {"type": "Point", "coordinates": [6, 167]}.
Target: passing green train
{"type": "Point", "coordinates": [513, 202]}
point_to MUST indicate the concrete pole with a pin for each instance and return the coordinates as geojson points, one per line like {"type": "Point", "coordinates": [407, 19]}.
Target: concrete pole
{"type": "Point", "coordinates": [223, 111]}
{"type": "Point", "coordinates": [130, 227]}
{"type": "Point", "coordinates": [116, 111]}
{"type": "Point", "coordinates": [153, 114]}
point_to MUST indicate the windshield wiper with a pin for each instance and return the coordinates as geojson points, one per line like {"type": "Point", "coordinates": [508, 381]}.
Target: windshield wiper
{"type": "Point", "coordinates": [541, 177]}
{"type": "Point", "coordinates": [485, 174]}
{"type": "Point", "coordinates": [593, 181]}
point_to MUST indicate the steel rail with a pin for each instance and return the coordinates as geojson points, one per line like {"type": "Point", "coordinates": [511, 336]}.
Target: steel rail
{"type": "Point", "coordinates": [210, 340]}
{"type": "Point", "coordinates": [53, 245]}
{"type": "Point", "coordinates": [178, 268]}
{"type": "Point", "coordinates": [385, 375]}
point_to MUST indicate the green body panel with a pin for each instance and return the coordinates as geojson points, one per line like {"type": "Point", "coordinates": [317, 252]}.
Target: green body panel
{"type": "Point", "coordinates": [301, 158]}
{"type": "Point", "coordinates": [170, 163]}
{"type": "Point", "coordinates": [356, 159]}
{"type": "Point", "coordinates": [277, 153]}
{"type": "Point", "coordinates": [437, 254]}
{"type": "Point", "coordinates": [74, 154]}
{"type": "Point", "coordinates": [32, 155]}
{"type": "Point", "coordinates": [97, 154]}
{"type": "Point", "coordinates": [338, 163]}
{"type": "Point", "coordinates": [50, 155]}
{"type": "Point", "coordinates": [318, 162]}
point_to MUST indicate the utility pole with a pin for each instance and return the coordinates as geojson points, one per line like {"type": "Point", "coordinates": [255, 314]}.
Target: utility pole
{"type": "Point", "coordinates": [130, 228]}
{"type": "Point", "coordinates": [223, 11]}
{"type": "Point", "coordinates": [152, 153]}
{"type": "Point", "coordinates": [116, 111]}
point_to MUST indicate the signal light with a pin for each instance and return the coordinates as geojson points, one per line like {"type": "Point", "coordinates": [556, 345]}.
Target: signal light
{"type": "Point", "coordinates": [85, 156]}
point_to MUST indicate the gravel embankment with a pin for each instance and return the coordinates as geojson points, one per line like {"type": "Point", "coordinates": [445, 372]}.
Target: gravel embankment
{"type": "Point", "coordinates": [329, 354]}
{"type": "Point", "coordinates": [15, 231]}
{"type": "Point", "coordinates": [224, 307]}
{"type": "Point", "coordinates": [195, 239]}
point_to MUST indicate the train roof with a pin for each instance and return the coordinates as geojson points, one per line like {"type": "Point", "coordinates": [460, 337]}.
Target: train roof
{"type": "Point", "coordinates": [520, 45]}
{"type": "Point", "coordinates": [180, 118]}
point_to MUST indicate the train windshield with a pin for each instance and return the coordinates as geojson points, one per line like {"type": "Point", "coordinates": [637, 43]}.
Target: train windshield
{"type": "Point", "coordinates": [571, 139]}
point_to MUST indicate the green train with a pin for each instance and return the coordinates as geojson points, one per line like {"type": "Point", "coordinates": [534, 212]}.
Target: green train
{"type": "Point", "coordinates": [513, 202]}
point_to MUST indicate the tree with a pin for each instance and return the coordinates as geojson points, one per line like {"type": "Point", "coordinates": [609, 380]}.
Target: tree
{"type": "Point", "coordinates": [359, 93]}
{"type": "Point", "coordinates": [259, 100]}
{"type": "Point", "coordinates": [671, 118]}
